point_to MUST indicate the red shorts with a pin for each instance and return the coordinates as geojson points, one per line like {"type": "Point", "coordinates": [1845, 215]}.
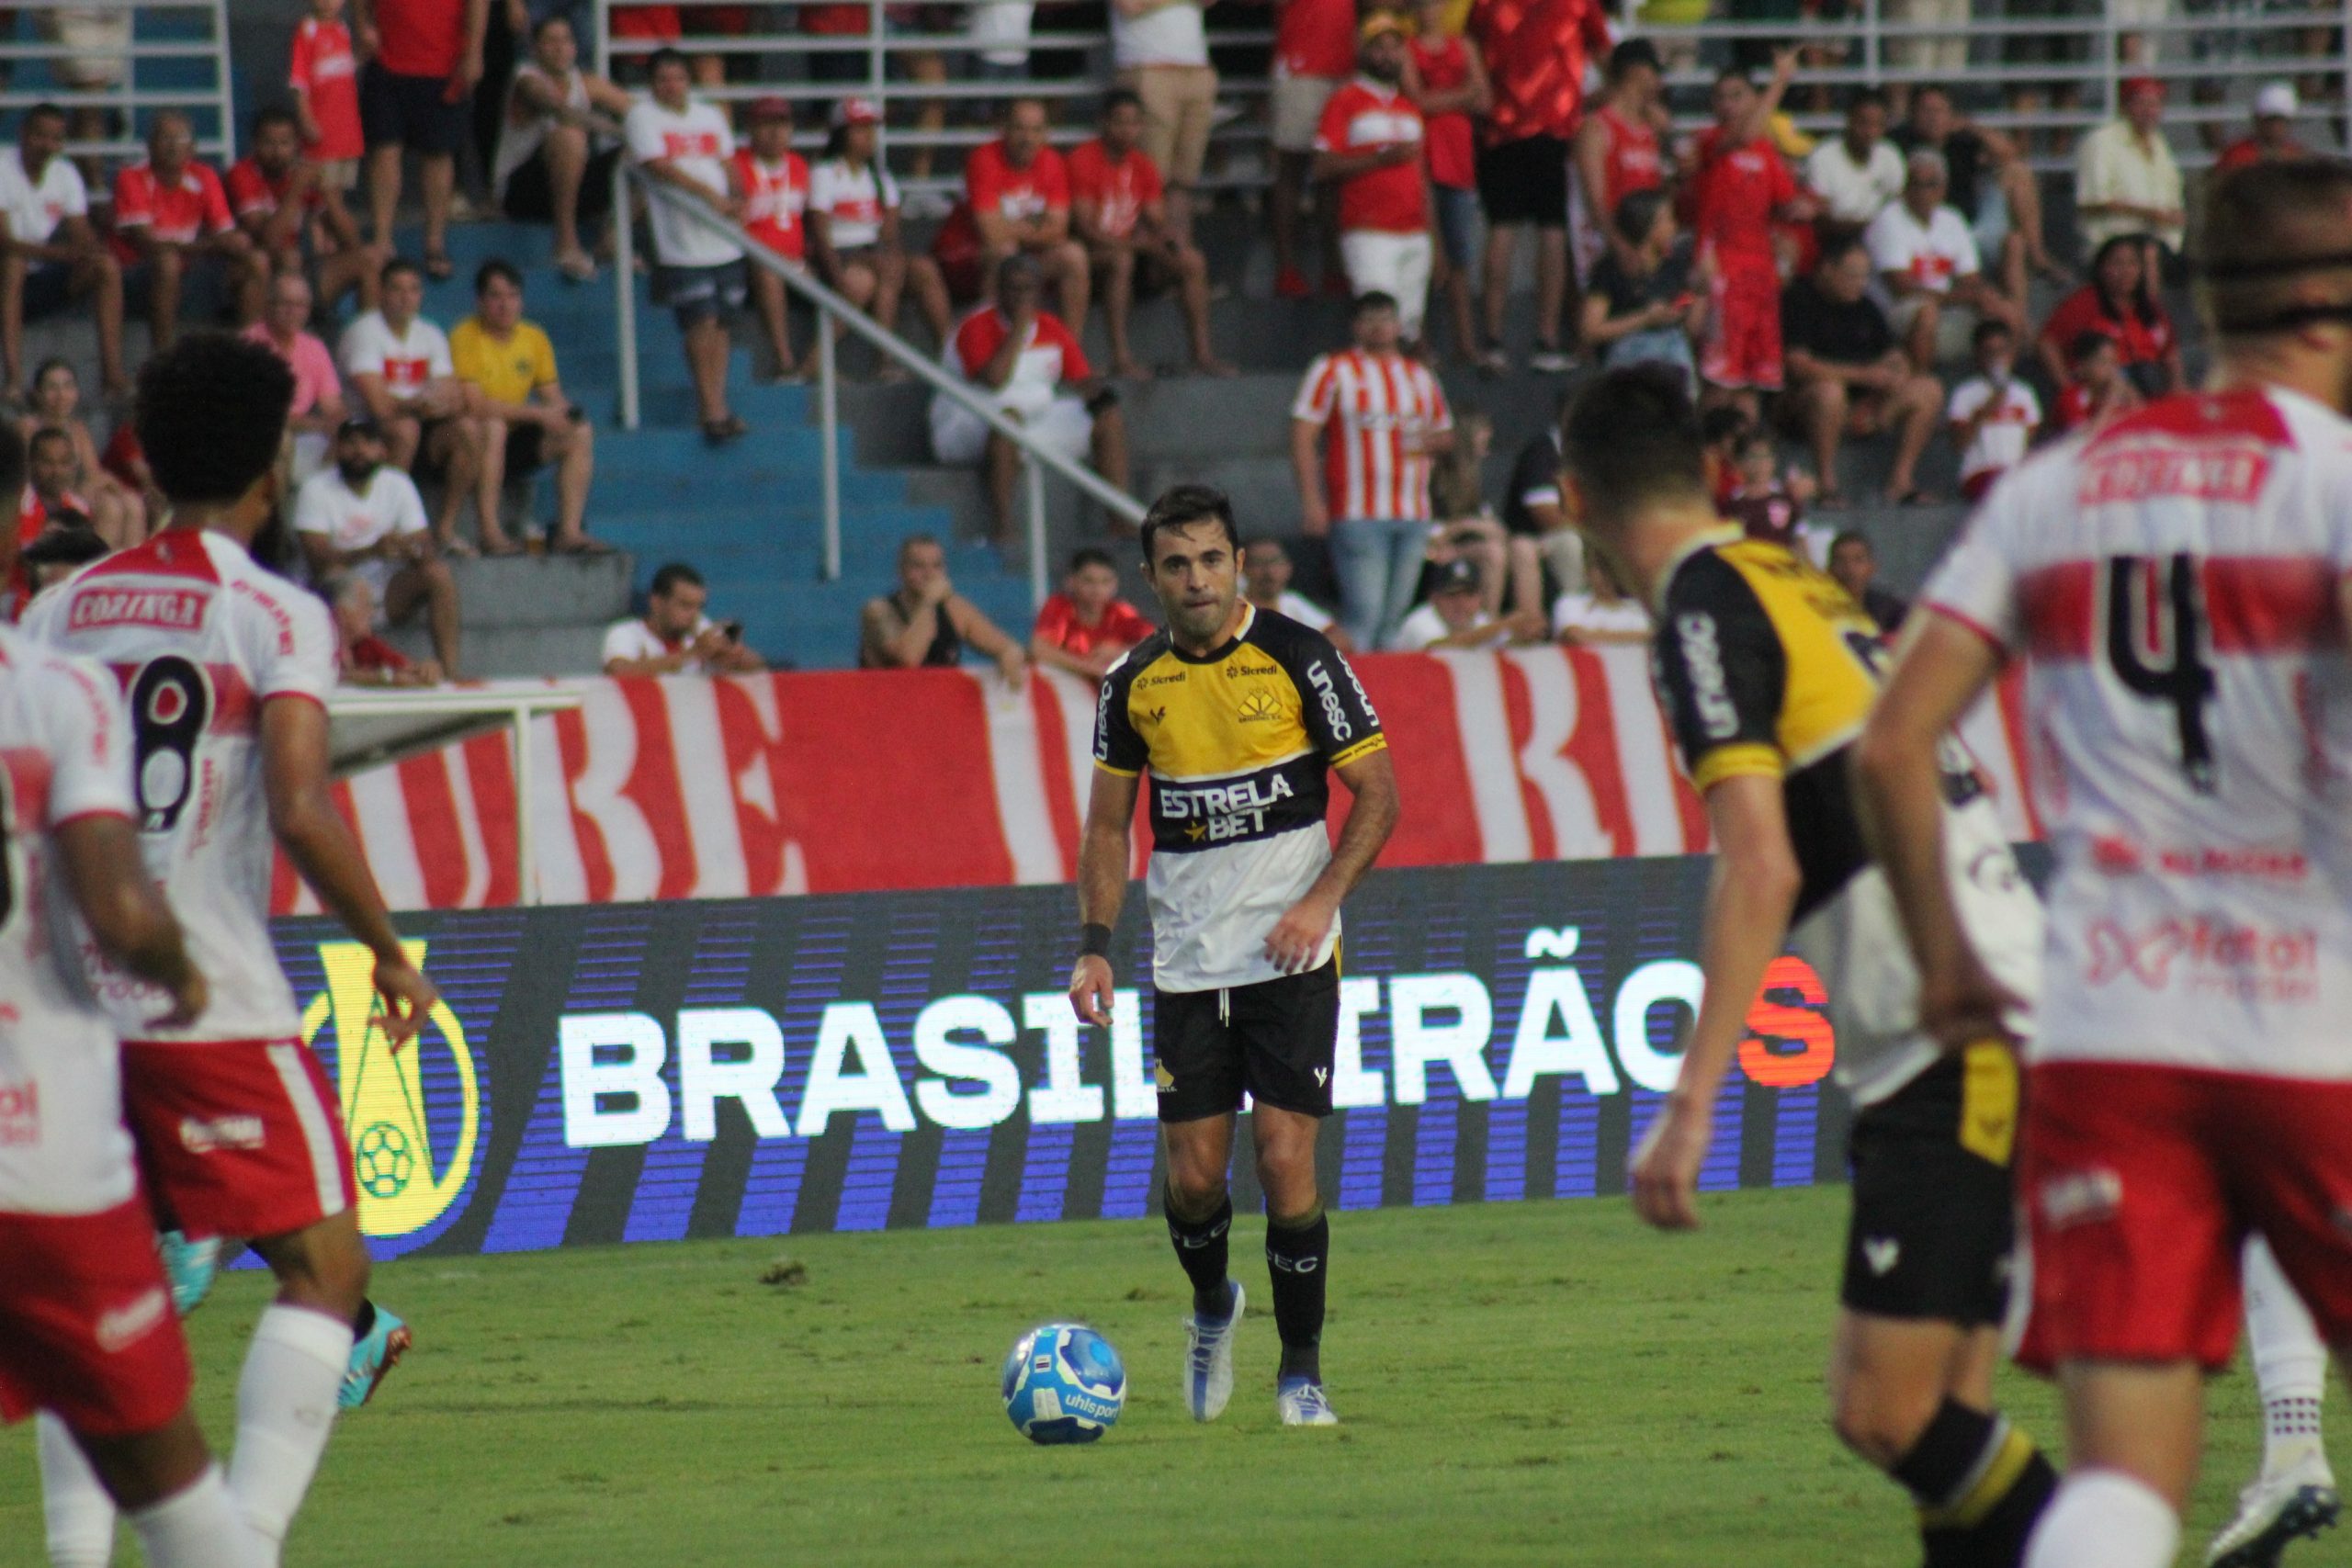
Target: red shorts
{"type": "Point", "coordinates": [2140, 1182]}
{"type": "Point", "coordinates": [1743, 346]}
{"type": "Point", "coordinates": [238, 1138]}
{"type": "Point", "coordinates": [86, 1326]}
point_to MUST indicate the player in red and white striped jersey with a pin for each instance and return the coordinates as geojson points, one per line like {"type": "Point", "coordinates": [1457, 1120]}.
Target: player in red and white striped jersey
{"type": "Point", "coordinates": [228, 666]}
{"type": "Point", "coordinates": [2178, 587]}
{"type": "Point", "coordinates": [1365, 425]}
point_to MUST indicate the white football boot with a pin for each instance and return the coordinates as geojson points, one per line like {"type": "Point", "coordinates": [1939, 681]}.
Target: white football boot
{"type": "Point", "coordinates": [1209, 1360]}
{"type": "Point", "coordinates": [2273, 1512]}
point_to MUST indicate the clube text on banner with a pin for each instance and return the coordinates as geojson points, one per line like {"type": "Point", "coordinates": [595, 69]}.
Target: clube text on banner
{"type": "Point", "coordinates": [687, 787]}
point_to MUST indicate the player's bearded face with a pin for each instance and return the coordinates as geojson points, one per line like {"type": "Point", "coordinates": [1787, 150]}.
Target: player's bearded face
{"type": "Point", "coordinates": [1198, 580]}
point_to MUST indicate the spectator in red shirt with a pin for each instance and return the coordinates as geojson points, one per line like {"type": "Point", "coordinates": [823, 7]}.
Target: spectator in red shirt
{"type": "Point", "coordinates": [1119, 209]}
{"type": "Point", "coordinates": [50, 255]}
{"type": "Point", "coordinates": [1016, 193]}
{"type": "Point", "coordinates": [172, 231]}
{"type": "Point", "coordinates": [2096, 390]}
{"type": "Point", "coordinates": [322, 73]}
{"type": "Point", "coordinates": [2120, 303]}
{"type": "Point", "coordinates": [2274, 107]}
{"type": "Point", "coordinates": [367, 658]}
{"type": "Point", "coordinates": [1615, 153]}
{"type": "Point", "coordinates": [775, 183]}
{"type": "Point", "coordinates": [1315, 48]}
{"type": "Point", "coordinates": [1368, 151]}
{"type": "Point", "coordinates": [1741, 186]}
{"type": "Point", "coordinates": [1446, 78]}
{"type": "Point", "coordinates": [1538, 50]}
{"type": "Point", "coordinates": [1087, 628]}
{"type": "Point", "coordinates": [415, 95]}
{"type": "Point", "coordinates": [276, 194]}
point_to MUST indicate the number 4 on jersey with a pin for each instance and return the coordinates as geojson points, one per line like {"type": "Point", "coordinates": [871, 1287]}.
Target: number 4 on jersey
{"type": "Point", "coordinates": [2166, 596]}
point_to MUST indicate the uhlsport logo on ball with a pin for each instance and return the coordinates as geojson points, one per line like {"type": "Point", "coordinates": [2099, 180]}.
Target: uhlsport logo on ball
{"type": "Point", "coordinates": [1063, 1384]}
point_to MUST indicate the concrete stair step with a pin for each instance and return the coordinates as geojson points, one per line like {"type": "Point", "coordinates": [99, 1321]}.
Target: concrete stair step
{"type": "Point", "coordinates": [542, 591]}
{"type": "Point", "coordinates": [495, 651]}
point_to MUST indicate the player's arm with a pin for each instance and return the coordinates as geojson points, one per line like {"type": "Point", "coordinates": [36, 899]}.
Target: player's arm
{"type": "Point", "coordinates": [1298, 935]}
{"type": "Point", "coordinates": [107, 880]}
{"type": "Point", "coordinates": [1749, 897]}
{"type": "Point", "coordinates": [1898, 793]}
{"type": "Point", "coordinates": [1104, 856]}
{"type": "Point", "coordinates": [316, 839]}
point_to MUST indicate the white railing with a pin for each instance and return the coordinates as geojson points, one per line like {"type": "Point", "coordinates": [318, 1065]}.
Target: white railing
{"type": "Point", "coordinates": [831, 308]}
{"type": "Point", "coordinates": [209, 105]}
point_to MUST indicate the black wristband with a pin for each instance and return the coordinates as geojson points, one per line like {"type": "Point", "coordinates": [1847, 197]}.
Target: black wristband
{"type": "Point", "coordinates": [1094, 940]}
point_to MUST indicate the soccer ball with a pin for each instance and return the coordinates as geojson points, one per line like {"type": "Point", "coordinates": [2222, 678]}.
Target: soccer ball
{"type": "Point", "coordinates": [383, 1161]}
{"type": "Point", "coordinates": [1063, 1384]}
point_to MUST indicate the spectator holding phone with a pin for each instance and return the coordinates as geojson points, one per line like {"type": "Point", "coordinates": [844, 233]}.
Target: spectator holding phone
{"type": "Point", "coordinates": [1643, 305]}
{"type": "Point", "coordinates": [675, 637]}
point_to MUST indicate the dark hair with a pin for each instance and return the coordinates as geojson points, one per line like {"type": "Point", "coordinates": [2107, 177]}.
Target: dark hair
{"type": "Point", "coordinates": [2085, 343]}
{"type": "Point", "coordinates": [544, 23]}
{"type": "Point", "coordinates": [1637, 214]}
{"type": "Point", "coordinates": [1186, 504]}
{"type": "Point", "coordinates": [54, 362]}
{"type": "Point", "coordinates": [1836, 243]}
{"type": "Point", "coordinates": [1861, 95]}
{"type": "Point", "coordinates": [1091, 555]}
{"type": "Point", "coordinates": [1721, 423]}
{"type": "Point", "coordinates": [665, 56]}
{"type": "Point", "coordinates": [1852, 537]}
{"type": "Point", "coordinates": [1988, 330]}
{"type": "Point", "coordinates": [47, 433]}
{"type": "Point", "coordinates": [2142, 303]}
{"type": "Point", "coordinates": [44, 111]}
{"type": "Point", "coordinates": [211, 415]}
{"type": "Point", "coordinates": [497, 268]}
{"type": "Point", "coordinates": [1634, 438]}
{"type": "Point", "coordinates": [12, 459]}
{"type": "Point", "coordinates": [1118, 98]}
{"type": "Point", "coordinates": [1753, 436]}
{"type": "Point", "coordinates": [1368, 301]}
{"type": "Point", "coordinates": [398, 266]}
{"type": "Point", "coordinates": [1012, 104]}
{"type": "Point", "coordinates": [1935, 87]}
{"type": "Point", "coordinates": [669, 576]}
{"type": "Point", "coordinates": [276, 114]}
{"type": "Point", "coordinates": [1633, 52]}
{"type": "Point", "coordinates": [2260, 221]}
{"type": "Point", "coordinates": [1264, 541]}
{"type": "Point", "coordinates": [1739, 73]}
{"type": "Point", "coordinates": [911, 540]}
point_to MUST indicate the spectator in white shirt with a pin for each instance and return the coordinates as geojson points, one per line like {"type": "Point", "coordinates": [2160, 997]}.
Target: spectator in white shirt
{"type": "Point", "coordinates": [50, 255]}
{"type": "Point", "coordinates": [401, 376]}
{"type": "Point", "coordinates": [1160, 51]}
{"type": "Point", "coordinates": [674, 635]}
{"type": "Point", "coordinates": [2126, 180]}
{"type": "Point", "coordinates": [1856, 174]}
{"type": "Point", "coordinates": [1993, 414]}
{"type": "Point", "coordinates": [854, 242]}
{"type": "Point", "coordinates": [685, 144]}
{"type": "Point", "coordinates": [550, 166]}
{"type": "Point", "coordinates": [1266, 571]}
{"type": "Point", "coordinates": [1926, 259]}
{"type": "Point", "coordinates": [1456, 616]}
{"type": "Point", "coordinates": [361, 517]}
{"type": "Point", "coordinates": [1600, 615]}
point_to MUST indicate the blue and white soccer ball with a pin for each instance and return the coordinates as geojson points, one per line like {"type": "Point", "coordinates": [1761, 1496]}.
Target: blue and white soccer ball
{"type": "Point", "coordinates": [1063, 1384]}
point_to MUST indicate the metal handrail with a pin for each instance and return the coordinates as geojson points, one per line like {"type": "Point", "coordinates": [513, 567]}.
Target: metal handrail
{"type": "Point", "coordinates": [831, 308]}
{"type": "Point", "coordinates": [128, 96]}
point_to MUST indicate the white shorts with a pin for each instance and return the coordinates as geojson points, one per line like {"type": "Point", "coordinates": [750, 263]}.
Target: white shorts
{"type": "Point", "coordinates": [1297, 111]}
{"type": "Point", "coordinates": [1396, 265]}
{"type": "Point", "coordinates": [959, 435]}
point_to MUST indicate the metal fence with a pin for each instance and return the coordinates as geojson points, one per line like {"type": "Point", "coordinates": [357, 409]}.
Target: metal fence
{"type": "Point", "coordinates": [113, 64]}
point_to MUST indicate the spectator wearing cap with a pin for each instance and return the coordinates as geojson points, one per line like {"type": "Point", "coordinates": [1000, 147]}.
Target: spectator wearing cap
{"type": "Point", "coordinates": [1020, 356]}
{"type": "Point", "coordinates": [1314, 49]}
{"type": "Point", "coordinates": [853, 241]}
{"type": "Point", "coordinates": [1266, 578]}
{"type": "Point", "coordinates": [775, 183]}
{"type": "Point", "coordinates": [1446, 78]}
{"type": "Point", "coordinates": [416, 95]}
{"type": "Point", "coordinates": [552, 166]}
{"type": "Point", "coordinates": [50, 256]}
{"type": "Point", "coordinates": [367, 660]}
{"type": "Point", "coordinates": [1858, 174]}
{"type": "Point", "coordinates": [174, 233]}
{"type": "Point", "coordinates": [1087, 628]}
{"type": "Point", "coordinates": [1456, 617]}
{"type": "Point", "coordinates": [318, 406]}
{"type": "Point", "coordinates": [1927, 261]}
{"type": "Point", "coordinates": [2126, 181]}
{"type": "Point", "coordinates": [675, 636]}
{"type": "Point", "coordinates": [1160, 51]}
{"type": "Point", "coordinates": [2274, 107]}
{"type": "Point", "coordinates": [404, 380]}
{"type": "Point", "coordinates": [1537, 52]}
{"type": "Point", "coordinates": [361, 516]}
{"type": "Point", "coordinates": [1016, 202]}
{"type": "Point", "coordinates": [1119, 209]}
{"type": "Point", "coordinates": [686, 144]}
{"type": "Point", "coordinates": [1368, 151]}
{"type": "Point", "coordinates": [281, 200]}
{"type": "Point", "coordinates": [507, 367]}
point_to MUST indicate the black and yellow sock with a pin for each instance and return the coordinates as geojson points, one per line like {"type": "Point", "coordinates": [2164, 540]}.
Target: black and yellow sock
{"type": "Point", "coordinates": [1980, 1484]}
{"type": "Point", "coordinates": [1202, 1248]}
{"type": "Point", "coordinates": [1296, 1252]}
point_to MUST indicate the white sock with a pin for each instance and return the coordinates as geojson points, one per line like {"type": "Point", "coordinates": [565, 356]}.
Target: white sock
{"type": "Point", "coordinates": [196, 1526]}
{"type": "Point", "coordinates": [2290, 1363]}
{"type": "Point", "coordinates": [2104, 1518]}
{"type": "Point", "coordinates": [286, 1406]}
{"type": "Point", "coordinates": [73, 1499]}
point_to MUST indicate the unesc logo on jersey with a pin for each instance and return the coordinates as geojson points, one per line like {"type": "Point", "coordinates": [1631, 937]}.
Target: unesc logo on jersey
{"type": "Point", "coordinates": [415, 1115]}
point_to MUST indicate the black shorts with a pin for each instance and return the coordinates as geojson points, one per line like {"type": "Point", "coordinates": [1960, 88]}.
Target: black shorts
{"type": "Point", "coordinates": [48, 288]}
{"type": "Point", "coordinates": [530, 198]}
{"type": "Point", "coordinates": [698, 294]}
{"type": "Point", "coordinates": [1276, 1039]}
{"type": "Point", "coordinates": [411, 111]}
{"type": "Point", "coordinates": [1525, 182]}
{"type": "Point", "coordinates": [1933, 1223]}
{"type": "Point", "coordinates": [526, 449]}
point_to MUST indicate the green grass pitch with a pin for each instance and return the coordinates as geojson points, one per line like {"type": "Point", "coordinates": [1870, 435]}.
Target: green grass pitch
{"type": "Point", "coordinates": [1540, 1382]}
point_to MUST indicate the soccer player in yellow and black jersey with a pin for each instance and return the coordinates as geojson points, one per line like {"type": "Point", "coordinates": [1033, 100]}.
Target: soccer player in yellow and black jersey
{"type": "Point", "coordinates": [1767, 670]}
{"type": "Point", "coordinates": [1238, 715]}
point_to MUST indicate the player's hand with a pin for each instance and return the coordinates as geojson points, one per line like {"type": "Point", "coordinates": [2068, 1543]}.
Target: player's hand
{"type": "Point", "coordinates": [408, 996]}
{"type": "Point", "coordinates": [1090, 990]}
{"type": "Point", "coordinates": [1664, 1171]}
{"type": "Point", "coordinates": [189, 994]}
{"type": "Point", "coordinates": [1298, 936]}
{"type": "Point", "coordinates": [1960, 1004]}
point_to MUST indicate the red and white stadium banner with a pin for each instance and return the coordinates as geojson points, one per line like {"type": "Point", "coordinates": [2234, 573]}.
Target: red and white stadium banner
{"type": "Point", "coordinates": [686, 787]}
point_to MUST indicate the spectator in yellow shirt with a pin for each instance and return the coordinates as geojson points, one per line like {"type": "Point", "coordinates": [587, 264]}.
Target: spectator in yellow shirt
{"type": "Point", "coordinates": [507, 367]}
